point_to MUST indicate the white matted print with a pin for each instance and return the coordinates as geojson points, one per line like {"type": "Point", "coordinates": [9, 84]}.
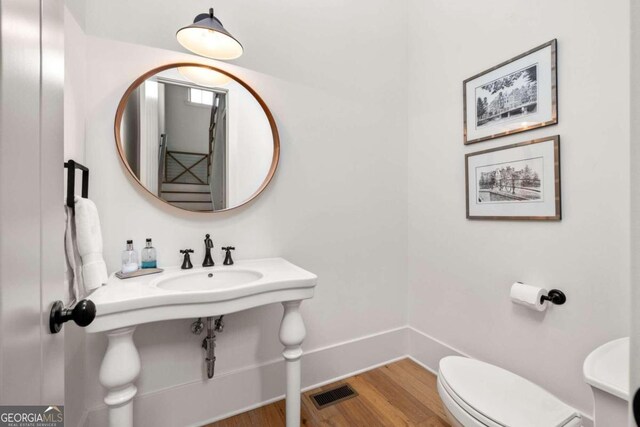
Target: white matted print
{"type": "Point", "coordinates": [520, 181]}
{"type": "Point", "coordinates": [515, 96]}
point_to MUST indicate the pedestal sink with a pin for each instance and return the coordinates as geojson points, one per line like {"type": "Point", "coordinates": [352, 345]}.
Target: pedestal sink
{"type": "Point", "coordinates": [121, 305]}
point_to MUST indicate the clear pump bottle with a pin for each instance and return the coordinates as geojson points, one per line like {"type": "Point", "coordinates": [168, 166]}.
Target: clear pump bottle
{"type": "Point", "coordinates": [148, 256]}
{"type": "Point", "coordinates": [129, 259]}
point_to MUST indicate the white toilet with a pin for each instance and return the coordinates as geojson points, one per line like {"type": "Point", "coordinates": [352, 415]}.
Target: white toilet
{"type": "Point", "coordinates": [477, 394]}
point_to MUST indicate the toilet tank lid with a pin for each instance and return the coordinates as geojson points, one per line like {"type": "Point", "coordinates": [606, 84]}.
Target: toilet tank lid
{"type": "Point", "coordinates": [503, 396]}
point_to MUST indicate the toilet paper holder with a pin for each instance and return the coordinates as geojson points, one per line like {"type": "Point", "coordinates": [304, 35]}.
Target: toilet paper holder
{"type": "Point", "coordinates": [555, 296]}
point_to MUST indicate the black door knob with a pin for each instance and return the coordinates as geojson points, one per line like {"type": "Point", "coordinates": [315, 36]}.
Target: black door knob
{"type": "Point", "coordinates": [82, 314]}
{"type": "Point", "coordinates": [636, 407]}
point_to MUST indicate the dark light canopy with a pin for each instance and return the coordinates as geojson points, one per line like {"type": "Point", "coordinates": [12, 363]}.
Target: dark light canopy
{"type": "Point", "coordinates": [207, 37]}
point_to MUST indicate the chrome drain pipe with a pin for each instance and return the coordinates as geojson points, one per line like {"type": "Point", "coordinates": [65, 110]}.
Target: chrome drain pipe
{"type": "Point", "coordinates": [209, 343]}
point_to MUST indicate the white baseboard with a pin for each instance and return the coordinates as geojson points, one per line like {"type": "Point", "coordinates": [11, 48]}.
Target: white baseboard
{"type": "Point", "coordinates": [231, 393]}
{"type": "Point", "coordinates": [228, 394]}
{"type": "Point", "coordinates": [427, 351]}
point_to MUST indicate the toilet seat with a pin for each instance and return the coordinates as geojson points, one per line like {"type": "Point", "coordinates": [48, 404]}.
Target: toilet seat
{"type": "Point", "coordinates": [480, 394]}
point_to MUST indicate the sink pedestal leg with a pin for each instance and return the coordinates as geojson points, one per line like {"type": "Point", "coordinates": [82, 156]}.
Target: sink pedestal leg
{"type": "Point", "coordinates": [292, 333]}
{"type": "Point", "coordinates": [120, 367]}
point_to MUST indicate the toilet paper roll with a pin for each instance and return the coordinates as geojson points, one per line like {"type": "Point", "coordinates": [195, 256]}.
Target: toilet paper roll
{"type": "Point", "coordinates": [529, 296]}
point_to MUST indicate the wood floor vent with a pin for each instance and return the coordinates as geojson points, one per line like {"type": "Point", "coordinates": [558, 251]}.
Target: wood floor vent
{"type": "Point", "coordinates": [333, 396]}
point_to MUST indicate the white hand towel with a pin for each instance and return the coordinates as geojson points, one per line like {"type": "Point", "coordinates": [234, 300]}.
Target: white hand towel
{"type": "Point", "coordinates": [89, 241]}
{"type": "Point", "coordinates": [74, 263]}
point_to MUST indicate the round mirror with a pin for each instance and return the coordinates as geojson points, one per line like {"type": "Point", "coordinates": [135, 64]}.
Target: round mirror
{"type": "Point", "coordinates": [197, 137]}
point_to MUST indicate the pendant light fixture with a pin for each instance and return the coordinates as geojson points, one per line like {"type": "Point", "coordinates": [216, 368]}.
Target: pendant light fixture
{"type": "Point", "coordinates": [207, 37]}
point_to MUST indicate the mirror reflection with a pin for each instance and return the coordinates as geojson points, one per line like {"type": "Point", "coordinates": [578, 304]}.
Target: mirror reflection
{"type": "Point", "coordinates": [197, 139]}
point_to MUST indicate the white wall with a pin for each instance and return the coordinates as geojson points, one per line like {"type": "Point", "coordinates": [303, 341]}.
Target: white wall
{"type": "Point", "coordinates": [187, 125]}
{"type": "Point", "coordinates": [250, 145]}
{"type": "Point", "coordinates": [75, 75]}
{"type": "Point", "coordinates": [460, 271]}
{"type": "Point", "coordinates": [149, 139]}
{"type": "Point", "coordinates": [337, 205]}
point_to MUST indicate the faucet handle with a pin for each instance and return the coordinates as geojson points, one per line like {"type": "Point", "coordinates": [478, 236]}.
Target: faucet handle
{"type": "Point", "coordinates": [186, 262]}
{"type": "Point", "coordinates": [227, 258]}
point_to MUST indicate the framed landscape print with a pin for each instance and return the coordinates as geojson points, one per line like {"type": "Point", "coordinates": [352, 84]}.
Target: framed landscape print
{"type": "Point", "coordinates": [515, 96]}
{"type": "Point", "coordinates": [519, 181]}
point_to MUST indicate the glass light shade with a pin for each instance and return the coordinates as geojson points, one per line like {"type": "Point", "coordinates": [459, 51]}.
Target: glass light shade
{"type": "Point", "coordinates": [207, 37]}
{"type": "Point", "coordinates": [204, 76]}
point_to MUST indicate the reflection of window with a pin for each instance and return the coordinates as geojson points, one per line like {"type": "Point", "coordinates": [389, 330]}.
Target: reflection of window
{"type": "Point", "coordinates": [199, 96]}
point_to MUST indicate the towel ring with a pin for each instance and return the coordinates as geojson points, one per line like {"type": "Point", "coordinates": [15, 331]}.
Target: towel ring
{"type": "Point", "coordinates": [71, 167]}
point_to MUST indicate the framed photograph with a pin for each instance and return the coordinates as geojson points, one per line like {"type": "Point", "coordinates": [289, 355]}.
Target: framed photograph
{"type": "Point", "coordinates": [519, 181]}
{"type": "Point", "coordinates": [515, 96]}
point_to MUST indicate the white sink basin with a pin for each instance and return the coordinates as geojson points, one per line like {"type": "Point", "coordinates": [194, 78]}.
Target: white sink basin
{"type": "Point", "coordinates": [199, 281]}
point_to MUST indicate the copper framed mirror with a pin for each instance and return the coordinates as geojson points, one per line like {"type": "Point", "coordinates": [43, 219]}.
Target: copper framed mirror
{"type": "Point", "coordinates": [197, 137]}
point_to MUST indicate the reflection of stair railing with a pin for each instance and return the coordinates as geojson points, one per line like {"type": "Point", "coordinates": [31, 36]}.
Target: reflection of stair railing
{"type": "Point", "coordinates": [213, 121]}
{"type": "Point", "coordinates": [162, 154]}
{"type": "Point", "coordinates": [186, 167]}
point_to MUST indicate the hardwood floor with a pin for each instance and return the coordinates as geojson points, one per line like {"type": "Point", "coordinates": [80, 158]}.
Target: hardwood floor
{"type": "Point", "coordinates": [398, 394]}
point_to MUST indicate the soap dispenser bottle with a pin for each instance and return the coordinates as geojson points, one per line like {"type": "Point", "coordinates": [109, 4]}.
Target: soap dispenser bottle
{"type": "Point", "coordinates": [129, 258]}
{"type": "Point", "coordinates": [148, 256]}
